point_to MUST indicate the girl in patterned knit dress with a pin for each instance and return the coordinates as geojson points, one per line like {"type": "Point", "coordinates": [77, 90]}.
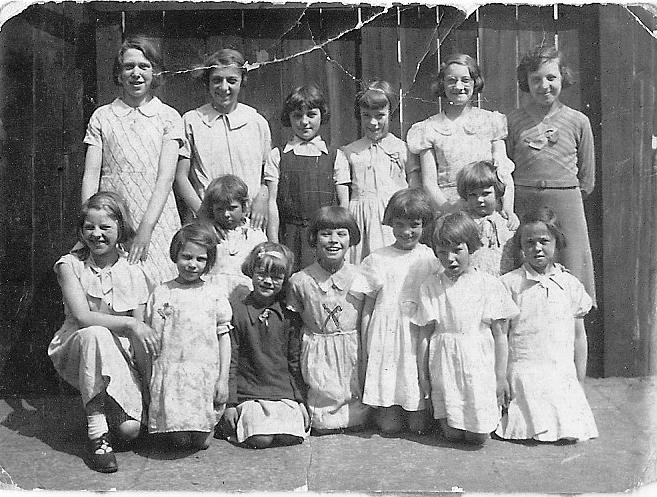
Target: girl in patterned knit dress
{"type": "Point", "coordinates": [368, 171]}
{"type": "Point", "coordinates": [458, 135]}
{"type": "Point", "coordinates": [300, 174]}
{"type": "Point", "coordinates": [463, 350]}
{"type": "Point", "coordinates": [481, 189]}
{"type": "Point", "coordinates": [189, 384]}
{"type": "Point", "coordinates": [394, 274]}
{"type": "Point", "coordinates": [323, 294]}
{"type": "Point", "coordinates": [132, 148]}
{"type": "Point", "coordinates": [547, 341]}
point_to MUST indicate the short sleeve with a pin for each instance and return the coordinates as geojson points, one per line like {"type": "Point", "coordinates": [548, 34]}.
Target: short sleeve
{"type": "Point", "coordinates": [130, 292]}
{"type": "Point", "coordinates": [419, 138]}
{"type": "Point", "coordinates": [369, 283]}
{"type": "Point", "coordinates": [265, 137]}
{"type": "Point", "coordinates": [224, 315]}
{"type": "Point", "coordinates": [273, 165]}
{"type": "Point", "coordinates": [499, 128]}
{"type": "Point", "coordinates": [188, 130]}
{"type": "Point", "coordinates": [412, 161]}
{"type": "Point", "coordinates": [581, 302]}
{"type": "Point", "coordinates": [499, 304]}
{"type": "Point", "coordinates": [294, 297]}
{"type": "Point", "coordinates": [357, 285]}
{"type": "Point", "coordinates": [173, 126]}
{"type": "Point", "coordinates": [427, 305]}
{"type": "Point", "coordinates": [94, 135]}
{"type": "Point", "coordinates": [341, 169]}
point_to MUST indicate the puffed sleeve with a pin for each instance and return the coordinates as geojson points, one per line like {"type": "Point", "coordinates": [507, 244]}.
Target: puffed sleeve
{"type": "Point", "coordinates": [272, 165]}
{"type": "Point", "coordinates": [341, 169]}
{"type": "Point", "coordinates": [419, 138]}
{"type": "Point", "coordinates": [499, 304]}
{"type": "Point", "coordinates": [224, 314]}
{"type": "Point", "coordinates": [369, 283]}
{"type": "Point", "coordinates": [94, 134]}
{"type": "Point", "coordinates": [412, 162]}
{"type": "Point", "coordinates": [581, 302]}
{"type": "Point", "coordinates": [499, 130]}
{"type": "Point", "coordinates": [173, 126]}
{"type": "Point", "coordinates": [426, 310]}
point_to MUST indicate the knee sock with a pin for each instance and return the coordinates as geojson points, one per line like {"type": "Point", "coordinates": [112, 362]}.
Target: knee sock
{"type": "Point", "coordinates": [96, 426]}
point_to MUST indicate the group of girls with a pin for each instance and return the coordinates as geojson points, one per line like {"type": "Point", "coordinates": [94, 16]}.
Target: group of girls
{"type": "Point", "coordinates": [217, 325]}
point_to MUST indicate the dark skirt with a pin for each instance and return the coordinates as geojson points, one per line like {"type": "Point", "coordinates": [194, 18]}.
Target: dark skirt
{"type": "Point", "coordinates": [568, 207]}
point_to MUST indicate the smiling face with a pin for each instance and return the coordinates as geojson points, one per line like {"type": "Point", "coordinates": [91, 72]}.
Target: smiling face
{"type": "Point", "coordinates": [228, 215]}
{"type": "Point", "coordinates": [306, 123]}
{"type": "Point", "coordinates": [332, 246]}
{"type": "Point", "coordinates": [454, 258]}
{"type": "Point", "coordinates": [224, 84]}
{"type": "Point", "coordinates": [407, 232]}
{"type": "Point", "coordinates": [538, 246]}
{"type": "Point", "coordinates": [481, 202]}
{"type": "Point", "coordinates": [266, 284]}
{"type": "Point", "coordinates": [136, 77]}
{"type": "Point", "coordinates": [545, 84]}
{"type": "Point", "coordinates": [458, 84]}
{"type": "Point", "coordinates": [375, 122]}
{"type": "Point", "coordinates": [191, 262]}
{"type": "Point", "coordinates": [100, 233]}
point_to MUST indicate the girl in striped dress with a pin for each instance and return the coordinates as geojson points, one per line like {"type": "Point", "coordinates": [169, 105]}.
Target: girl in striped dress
{"type": "Point", "coordinates": [132, 148]}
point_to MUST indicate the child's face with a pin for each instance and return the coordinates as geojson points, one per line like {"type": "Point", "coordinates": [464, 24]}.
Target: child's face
{"type": "Point", "coordinates": [191, 262]}
{"type": "Point", "coordinates": [458, 84]}
{"type": "Point", "coordinates": [332, 246]}
{"type": "Point", "coordinates": [454, 258]}
{"type": "Point", "coordinates": [481, 202]}
{"type": "Point", "coordinates": [538, 246]}
{"type": "Point", "coordinates": [228, 215]}
{"type": "Point", "coordinates": [306, 123]}
{"type": "Point", "coordinates": [266, 285]}
{"type": "Point", "coordinates": [136, 76]}
{"type": "Point", "coordinates": [224, 84]}
{"type": "Point", "coordinates": [375, 122]}
{"type": "Point", "coordinates": [407, 232]}
{"type": "Point", "coordinates": [545, 83]}
{"type": "Point", "coordinates": [100, 233]}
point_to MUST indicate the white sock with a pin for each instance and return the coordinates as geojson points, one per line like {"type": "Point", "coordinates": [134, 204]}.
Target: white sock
{"type": "Point", "coordinates": [96, 426]}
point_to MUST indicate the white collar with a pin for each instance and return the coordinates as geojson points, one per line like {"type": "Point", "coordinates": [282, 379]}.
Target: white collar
{"type": "Point", "coordinates": [149, 109]}
{"type": "Point", "coordinates": [303, 147]}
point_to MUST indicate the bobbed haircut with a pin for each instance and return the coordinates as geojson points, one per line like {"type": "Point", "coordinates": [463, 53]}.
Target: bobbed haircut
{"type": "Point", "coordinates": [454, 229]}
{"type": "Point", "coordinates": [480, 174]}
{"type": "Point", "coordinates": [333, 217]}
{"type": "Point", "coordinates": [438, 83]}
{"type": "Point", "coordinates": [410, 203]}
{"type": "Point", "coordinates": [151, 52]}
{"type": "Point", "coordinates": [116, 208]}
{"type": "Point", "coordinates": [199, 233]}
{"type": "Point", "coordinates": [375, 96]}
{"type": "Point", "coordinates": [223, 189]}
{"type": "Point", "coordinates": [533, 59]}
{"type": "Point", "coordinates": [223, 57]}
{"type": "Point", "coordinates": [270, 257]}
{"type": "Point", "coordinates": [304, 98]}
{"type": "Point", "coordinates": [541, 215]}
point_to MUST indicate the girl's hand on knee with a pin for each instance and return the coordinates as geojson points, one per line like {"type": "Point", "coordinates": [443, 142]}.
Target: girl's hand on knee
{"type": "Point", "coordinates": [147, 337]}
{"type": "Point", "coordinates": [230, 418]}
{"type": "Point", "coordinates": [139, 247]}
{"type": "Point", "coordinates": [221, 392]}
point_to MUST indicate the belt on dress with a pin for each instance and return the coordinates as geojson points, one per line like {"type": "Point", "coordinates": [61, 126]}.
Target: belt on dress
{"type": "Point", "coordinates": [543, 185]}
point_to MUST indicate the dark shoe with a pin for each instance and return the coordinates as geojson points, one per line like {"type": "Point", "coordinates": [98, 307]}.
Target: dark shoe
{"type": "Point", "coordinates": [101, 455]}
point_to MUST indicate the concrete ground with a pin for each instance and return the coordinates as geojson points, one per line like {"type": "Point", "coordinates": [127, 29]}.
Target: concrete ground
{"type": "Point", "coordinates": [42, 440]}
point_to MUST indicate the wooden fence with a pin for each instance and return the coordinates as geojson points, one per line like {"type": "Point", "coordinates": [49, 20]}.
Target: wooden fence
{"type": "Point", "coordinates": [55, 69]}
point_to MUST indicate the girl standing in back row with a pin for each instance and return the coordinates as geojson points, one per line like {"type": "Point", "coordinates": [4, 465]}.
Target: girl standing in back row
{"type": "Point", "coordinates": [132, 149]}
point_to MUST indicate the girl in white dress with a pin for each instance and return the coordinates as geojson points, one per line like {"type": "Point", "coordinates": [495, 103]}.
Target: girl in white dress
{"type": "Point", "coordinates": [189, 385]}
{"type": "Point", "coordinates": [101, 349]}
{"type": "Point", "coordinates": [547, 341]}
{"type": "Point", "coordinates": [462, 354]}
{"type": "Point", "coordinates": [323, 294]}
{"type": "Point", "coordinates": [393, 275]}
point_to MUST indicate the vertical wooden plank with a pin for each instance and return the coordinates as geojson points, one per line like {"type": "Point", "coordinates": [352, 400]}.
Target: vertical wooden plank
{"type": "Point", "coordinates": [378, 54]}
{"type": "Point", "coordinates": [341, 72]}
{"type": "Point", "coordinates": [460, 33]}
{"type": "Point", "coordinates": [498, 62]}
{"type": "Point", "coordinates": [418, 34]}
{"type": "Point", "coordinates": [572, 20]}
{"type": "Point", "coordinates": [108, 41]}
{"type": "Point", "coordinates": [619, 193]}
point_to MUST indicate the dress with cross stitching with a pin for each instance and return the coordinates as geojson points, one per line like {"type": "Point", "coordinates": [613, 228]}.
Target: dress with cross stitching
{"type": "Point", "coordinates": [330, 351]}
